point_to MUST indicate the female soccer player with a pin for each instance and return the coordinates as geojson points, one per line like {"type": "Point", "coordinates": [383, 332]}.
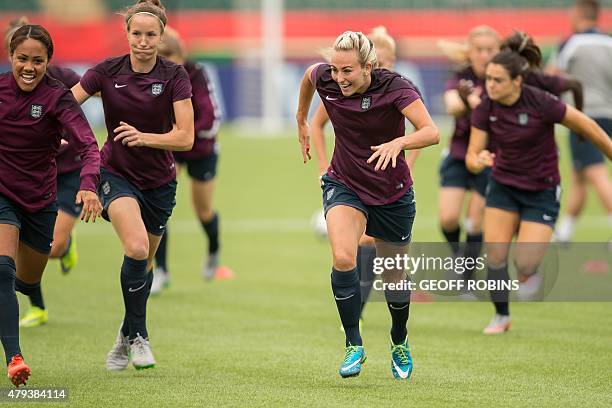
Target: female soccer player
{"type": "Point", "coordinates": [142, 96]}
{"type": "Point", "coordinates": [68, 168]}
{"type": "Point", "coordinates": [35, 113]}
{"type": "Point", "coordinates": [366, 252]}
{"type": "Point", "coordinates": [523, 194]}
{"type": "Point", "coordinates": [201, 161]}
{"type": "Point", "coordinates": [368, 185]}
{"type": "Point", "coordinates": [463, 93]}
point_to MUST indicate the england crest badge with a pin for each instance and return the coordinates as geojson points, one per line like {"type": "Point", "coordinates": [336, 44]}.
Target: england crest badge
{"type": "Point", "coordinates": [366, 102]}
{"type": "Point", "coordinates": [523, 118]}
{"type": "Point", "coordinates": [36, 111]}
{"type": "Point", "coordinates": [157, 89]}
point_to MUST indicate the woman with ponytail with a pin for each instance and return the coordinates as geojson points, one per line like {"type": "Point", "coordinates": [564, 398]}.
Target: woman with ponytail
{"type": "Point", "coordinates": [523, 194]}
{"type": "Point", "coordinates": [368, 187]}
{"type": "Point", "coordinates": [148, 113]}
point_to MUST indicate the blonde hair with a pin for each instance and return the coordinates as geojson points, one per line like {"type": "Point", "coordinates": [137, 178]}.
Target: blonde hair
{"type": "Point", "coordinates": [13, 26]}
{"type": "Point", "coordinates": [351, 40]}
{"type": "Point", "coordinates": [382, 40]}
{"type": "Point", "coordinates": [459, 52]}
{"type": "Point", "coordinates": [171, 44]}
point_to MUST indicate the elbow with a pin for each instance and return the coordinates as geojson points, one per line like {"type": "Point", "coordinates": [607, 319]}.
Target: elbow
{"type": "Point", "coordinates": [186, 143]}
{"type": "Point", "coordinates": [435, 136]}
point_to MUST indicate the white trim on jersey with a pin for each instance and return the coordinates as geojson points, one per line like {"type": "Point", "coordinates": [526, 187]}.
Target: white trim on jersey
{"type": "Point", "coordinates": [580, 40]}
{"type": "Point", "coordinates": [212, 132]}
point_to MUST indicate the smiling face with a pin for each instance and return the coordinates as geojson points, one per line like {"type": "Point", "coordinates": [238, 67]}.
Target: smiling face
{"type": "Point", "coordinates": [348, 73]}
{"type": "Point", "coordinates": [144, 35]}
{"type": "Point", "coordinates": [29, 63]}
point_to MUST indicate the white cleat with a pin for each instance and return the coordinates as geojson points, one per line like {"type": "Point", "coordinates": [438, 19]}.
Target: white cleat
{"type": "Point", "coordinates": [210, 269]}
{"type": "Point", "coordinates": [160, 281]}
{"type": "Point", "coordinates": [118, 357]}
{"type": "Point", "coordinates": [499, 324]}
{"type": "Point", "coordinates": [141, 354]}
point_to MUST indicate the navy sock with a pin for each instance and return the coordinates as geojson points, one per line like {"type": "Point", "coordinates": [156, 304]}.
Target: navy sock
{"type": "Point", "coordinates": [499, 297]}
{"type": "Point", "coordinates": [134, 284]}
{"type": "Point", "coordinates": [9, 309]}
{"type": "Point", "coordinates": [212, 232]}
{"type": "Point", "coordinates": [472, 250]}
{"type": "Point", "coordinates": [365, 269]}
{"type": "Point", "coordinates": [452, 237]}
{"type": "Point", "coordinates": [125, 327]}
{"type": "Point", "coordinates": [31, 290]}
{"type": "Point", "coordinates": [398, 303]}
{"type": "Point", "coordinates": [162, 250]}
{"type": "Point", "coordinates": [345, 286]}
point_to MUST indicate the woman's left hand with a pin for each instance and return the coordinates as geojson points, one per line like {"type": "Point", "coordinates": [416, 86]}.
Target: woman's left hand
{"type": "Point", "coordinates": [92, 208]}
{"type": "Point", "coordinates": [129, 135]}
{"type": "Point", "coordinates": [386, 152]}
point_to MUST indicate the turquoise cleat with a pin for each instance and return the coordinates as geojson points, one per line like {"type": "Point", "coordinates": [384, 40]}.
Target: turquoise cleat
{"type": "Point", "coordinates": [353, 359]}
{"type": "Point", "coordinates": [401, 360]}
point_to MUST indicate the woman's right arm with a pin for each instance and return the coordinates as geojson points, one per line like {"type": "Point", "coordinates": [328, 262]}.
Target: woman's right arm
{"type": "Point", "coordinates": [477, 157]}
{"type": "Point", "coordinates": [79, 93]}
{"type": "Point", "coordinates": [317, 128]}
{"type": "Point", "coordinates": [307, 90]}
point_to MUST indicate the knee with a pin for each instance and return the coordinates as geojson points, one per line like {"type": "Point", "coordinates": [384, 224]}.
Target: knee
{"type": "Point", "coordinates": [448, 221]}
{"type": "Point", "coordinates": [137, 248]}
{"type": "Point", "coordinates": [205, 213]}
{"type": "Point", "coordinates": [344, 260]}
{"type": "Point", "coordinates": [525, 267]}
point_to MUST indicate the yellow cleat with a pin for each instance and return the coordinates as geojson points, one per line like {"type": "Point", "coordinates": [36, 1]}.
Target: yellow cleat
{"type": "Point", "coordinates": [70, 258]}
{"type": "Point", "coordinates": [34, 317]}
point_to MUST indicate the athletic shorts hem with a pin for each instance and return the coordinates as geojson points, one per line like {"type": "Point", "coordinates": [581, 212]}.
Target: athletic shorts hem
{"type": "Point", "coordinates": [335, 204]}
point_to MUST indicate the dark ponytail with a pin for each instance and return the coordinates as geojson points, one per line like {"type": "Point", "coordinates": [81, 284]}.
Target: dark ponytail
{"type": "Point", "coordinates": [523, 45]}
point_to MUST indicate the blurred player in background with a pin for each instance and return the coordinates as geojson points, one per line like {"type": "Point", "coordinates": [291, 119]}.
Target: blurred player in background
{"type": "Point", "coordinates": [36, 112]}
{"type": "Point", "coordinates": [68, 163]}
{"type": "Point", "coordinates": [524, 190]}
{"type": "Point", "coordinates": [463, 92]}
{"type": "Point", "coordinates": [586, 55]}
{"type": "Point", "coordinates": [148, 113]}
{"type": "Point", "coordinates": [368, 187]}
{"type": "Point", "coordinates": [386, 53]}
{"type": "Point", "coordinates": [201, 162]}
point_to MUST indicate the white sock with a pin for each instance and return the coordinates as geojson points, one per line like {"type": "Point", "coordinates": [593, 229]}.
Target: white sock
{"type": "Point", "coordinates": [565, 228]}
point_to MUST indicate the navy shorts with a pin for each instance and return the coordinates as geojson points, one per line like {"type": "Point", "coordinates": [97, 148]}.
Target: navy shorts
{"type": "Point", "coordinates": [35, 229]}
{"type": "Point", "coordinates": [68, 185]}
{"type": "Point", "coordinates": [156, 204]}
{"type": "Point", "coordinates": [453, 173]}
{"type": "Point", "coordinates": [540, 206]}
{"type": "Point", "coordinates": [584, 153]}
{"type": "Point", "coordinates": [390, 222]}
{"type": "Point", "coordinates": [204, 169]}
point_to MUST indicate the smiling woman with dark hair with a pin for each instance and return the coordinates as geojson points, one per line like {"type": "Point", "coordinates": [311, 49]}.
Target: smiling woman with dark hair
{"type": "Point", "coordinates": [36, 112]}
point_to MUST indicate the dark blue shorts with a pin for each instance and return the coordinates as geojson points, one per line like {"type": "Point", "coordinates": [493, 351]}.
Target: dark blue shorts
{"type": "Point", "coordinates": [35, 229]}
{"type": "Point", "coordinates": [204, 169]}
{"type": "Point", "coordinates": [537, 206]}
{"type": "Point", "coordinates": [68, 185]}
{"type": "Point", "coordinates": [453, 173]}
{"type": "Point", "coordinates": [390, 222]}
{"type": "Point", "coordinates": [156, 204]}
{"type": "Point", "coordinates": [584, 153]}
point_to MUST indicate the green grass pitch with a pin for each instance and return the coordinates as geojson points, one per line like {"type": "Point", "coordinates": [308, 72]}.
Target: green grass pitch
{"type": "Point", "coordinates": [270, 337]}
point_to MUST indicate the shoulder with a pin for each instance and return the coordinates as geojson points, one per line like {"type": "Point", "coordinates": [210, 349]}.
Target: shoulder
{"type": "Point", "coordinates": [112, 65]}
{"type": "Point", "coordinates": [389, 81]}
{"type": "Point", "coordinates": [167, 69]}
{"type": "Point", "coordinates": [536, 96]}
{"type": "Point", "coordinates": [53, 84]}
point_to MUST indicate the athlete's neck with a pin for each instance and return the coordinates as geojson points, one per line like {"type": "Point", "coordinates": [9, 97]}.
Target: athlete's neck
{"type": "Point", "coordinates": [365, 86]}
{"type": "Point", "coordinates": [143, 67]}
{"type": "Point", "coordinates": [511, 98]}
